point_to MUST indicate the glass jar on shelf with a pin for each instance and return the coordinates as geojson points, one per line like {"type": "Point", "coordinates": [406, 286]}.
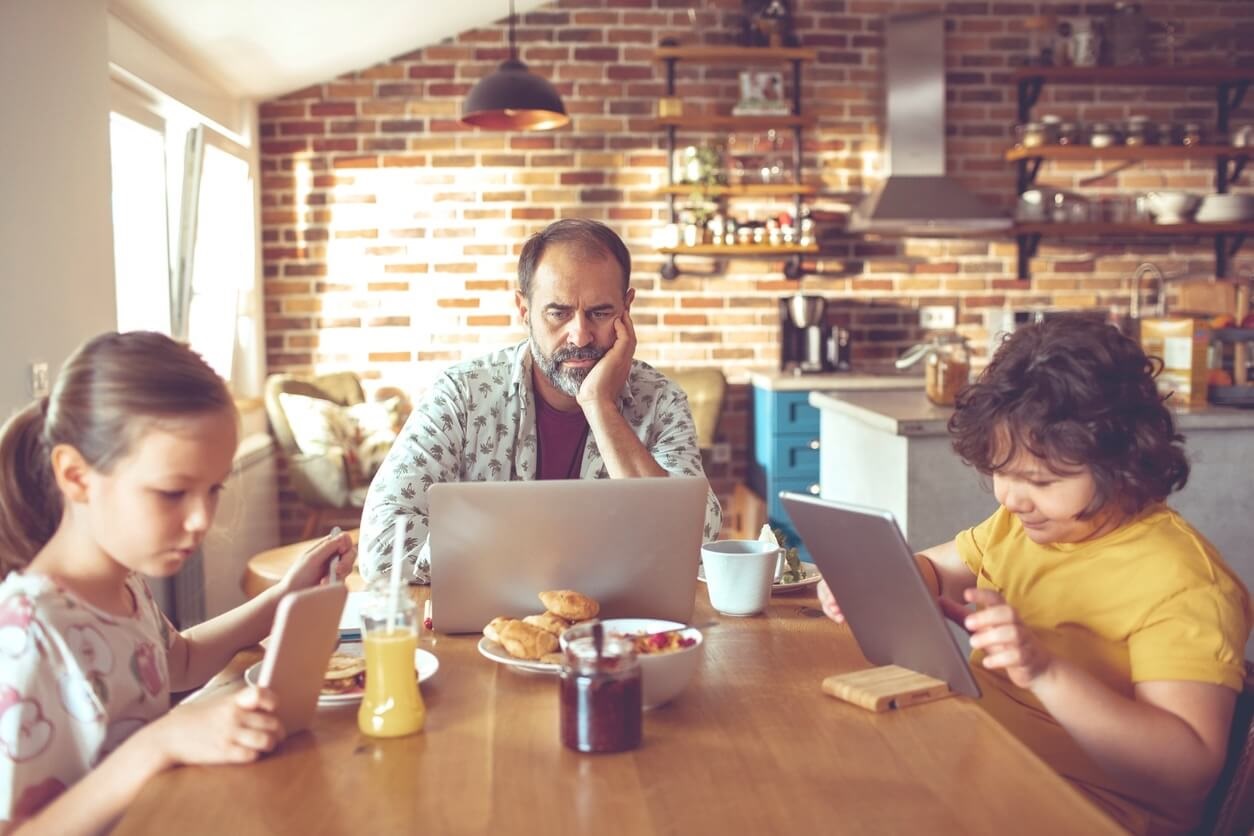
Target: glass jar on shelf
{"type": "Point", "coordinates": [1103, 135]}
{"type": "Point", "coordinates": [1192, 134]}
{"type": "Point", "coordinates": [1136, 131]}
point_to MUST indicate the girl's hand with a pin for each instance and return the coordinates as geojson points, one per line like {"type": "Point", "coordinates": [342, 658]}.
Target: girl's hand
{"type": "Point", "coordinates": [310, 569]}
{"type": "Point", "coordinates": [828, 602]}
{"type": "Point", "coordinates": [237, 727]}
{"type": "Point", "coordinates": [1007, 643]}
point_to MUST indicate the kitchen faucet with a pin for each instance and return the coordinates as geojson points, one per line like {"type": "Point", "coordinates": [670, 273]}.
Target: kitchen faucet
{"type": "Point", "coordinates": [1134, 308]}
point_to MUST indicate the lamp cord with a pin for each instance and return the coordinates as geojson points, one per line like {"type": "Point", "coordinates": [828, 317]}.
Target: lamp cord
{"type": "Point", "coordinates": [513, 54]}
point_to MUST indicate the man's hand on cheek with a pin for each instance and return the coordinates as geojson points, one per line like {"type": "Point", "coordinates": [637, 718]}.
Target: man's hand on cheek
{"type": "Point", "coordinates": [607, 378]}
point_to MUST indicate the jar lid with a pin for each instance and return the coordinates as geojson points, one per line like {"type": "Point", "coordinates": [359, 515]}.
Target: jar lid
{"type": "Point", "coordinates": [617, 654]}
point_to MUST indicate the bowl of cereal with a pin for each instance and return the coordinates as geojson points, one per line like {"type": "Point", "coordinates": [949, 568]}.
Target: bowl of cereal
{"type": "Point", "coordinates": [669, 653]}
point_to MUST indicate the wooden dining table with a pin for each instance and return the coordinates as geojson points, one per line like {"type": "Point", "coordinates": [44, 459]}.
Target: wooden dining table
{"type": "Point", "coordinates": [751, 746]}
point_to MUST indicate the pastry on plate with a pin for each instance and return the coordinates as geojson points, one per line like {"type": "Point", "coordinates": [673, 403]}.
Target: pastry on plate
{"type": "Point", "coordinates": [345, 672]}
{"type": "Point", "coordinates": [526, 641]}
{"type": "Point", "coordinates": [569, 604]}
{"type": "Point", "coordinates": [548, 622]}
{"type": "Point", "coordinates": [493, 628]}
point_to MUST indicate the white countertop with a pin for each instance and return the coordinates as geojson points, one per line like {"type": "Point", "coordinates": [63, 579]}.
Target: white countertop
{"type": "Point", "coordinates": [852, 381]}
{"type": "Point", "coordinates": [907, 412]}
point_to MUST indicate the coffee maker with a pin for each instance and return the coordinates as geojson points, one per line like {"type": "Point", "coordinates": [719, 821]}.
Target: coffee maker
{"type": "Point", "coordinates": [808, 345]}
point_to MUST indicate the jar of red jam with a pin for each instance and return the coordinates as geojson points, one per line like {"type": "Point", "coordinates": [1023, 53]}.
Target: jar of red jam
{"type": "Point", "coordinates": [601, 696]}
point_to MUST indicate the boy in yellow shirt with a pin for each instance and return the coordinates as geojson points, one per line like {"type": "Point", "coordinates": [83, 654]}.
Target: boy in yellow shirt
{"type": "Point", "coordinates": [1109, 633]}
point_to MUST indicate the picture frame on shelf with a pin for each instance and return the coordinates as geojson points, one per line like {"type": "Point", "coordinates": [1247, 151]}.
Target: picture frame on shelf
{"type": "Point", "coordinates": [761, 94]}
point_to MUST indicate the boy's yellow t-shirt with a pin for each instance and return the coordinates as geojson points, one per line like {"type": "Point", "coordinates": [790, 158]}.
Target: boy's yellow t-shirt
{"type": "Point", "coordinates": [1152, 600]}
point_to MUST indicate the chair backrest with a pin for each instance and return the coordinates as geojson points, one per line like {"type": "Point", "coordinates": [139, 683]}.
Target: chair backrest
{"type": "Point", "coordinates": [1230, 807]}
{"type": "Point", "coordinates": [705, 389]}
{"type": "Point", "coordinates": [343, 388]}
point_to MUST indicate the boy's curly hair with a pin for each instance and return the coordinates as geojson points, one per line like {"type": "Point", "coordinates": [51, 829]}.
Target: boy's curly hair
{"type": "Point", "coordinates": [1074, 392]}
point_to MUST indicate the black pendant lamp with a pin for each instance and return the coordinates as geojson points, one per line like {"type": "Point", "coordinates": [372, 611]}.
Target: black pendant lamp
{"type": "Point", "coordinates": [512, 98]}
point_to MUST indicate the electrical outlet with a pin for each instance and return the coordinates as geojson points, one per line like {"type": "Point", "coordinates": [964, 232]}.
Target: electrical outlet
{"type": "Point", "coordinates": [39, 386]}
{"type": "Point", "coordinates": [936, 317]}
{"type": "Point", "coordinates": [720, 453]}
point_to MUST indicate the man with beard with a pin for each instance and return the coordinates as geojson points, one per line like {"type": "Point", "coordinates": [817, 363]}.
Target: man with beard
{"type": "Point", "coordinates": [570, 402]}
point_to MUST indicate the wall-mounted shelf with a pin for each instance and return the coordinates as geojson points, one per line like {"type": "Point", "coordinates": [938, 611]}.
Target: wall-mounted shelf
{"type": "Point", "coordinates": [794, 120]}
{"type": "Point", "coordinates": [1129, 152]}
{"type": "Point", "coordinates": [1229, 160]}
{"type": "Point", "coordinates": [706, 122]}
{"type": "Point", "coordinates": [734, 54]}
{"type": "Point", "coordinates": [732, 250]}
{"type": "Point", "coordinates": [1228, 236]}
{"type": "Point", "coordinates": [1231, 84]}
{"type": "Point", "coordinates": [743, 190]}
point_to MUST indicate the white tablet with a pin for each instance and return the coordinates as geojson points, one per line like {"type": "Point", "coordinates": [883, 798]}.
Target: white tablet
{"type": "Point", "coordinates": [864, 558]}
{"type": "Point", "coordinates": [306, 632]}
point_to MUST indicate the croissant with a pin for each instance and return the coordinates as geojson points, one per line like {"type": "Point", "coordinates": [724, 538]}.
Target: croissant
{"type": "Point", "coordinates": [525, 641]}
{"type": "Point", "coordinates": [548, 622]}
{"type": "Point", "coordinates": [569, 604]}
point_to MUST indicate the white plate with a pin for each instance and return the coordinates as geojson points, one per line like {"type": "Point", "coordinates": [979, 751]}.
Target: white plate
{"type": "Point", "coordinates": [496, 653]}
{"type": "Point", "coordinates": [809, 577]}
{"type": "Point", "coordinates": [425, 663]}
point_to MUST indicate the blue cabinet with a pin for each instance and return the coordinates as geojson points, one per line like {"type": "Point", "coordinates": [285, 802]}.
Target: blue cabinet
{"type": "Point", "coordinates": [785, 453]}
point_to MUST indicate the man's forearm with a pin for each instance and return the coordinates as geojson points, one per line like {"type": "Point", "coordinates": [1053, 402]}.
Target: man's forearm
{"type": "Point", "coordinates": [624, 454]}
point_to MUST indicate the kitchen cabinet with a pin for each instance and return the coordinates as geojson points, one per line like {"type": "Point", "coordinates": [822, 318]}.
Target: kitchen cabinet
{"type": "Point", "coordinates": [786, 447]}
{"type": "Point", "coordinates": [1229, 161]}
{"type": "Point", "coordinates": [785, 453]}
{"type": "Point", "coordinates": [794, 121]}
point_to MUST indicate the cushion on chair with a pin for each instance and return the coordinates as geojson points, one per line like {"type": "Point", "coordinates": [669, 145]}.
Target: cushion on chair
{"type": "Point", "coordinates": [363, 432]}
{"type": "Point", "coordinates": [705, 389]}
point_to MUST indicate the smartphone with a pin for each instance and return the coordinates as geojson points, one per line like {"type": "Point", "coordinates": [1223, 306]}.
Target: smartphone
{"type": "Point", "coordinates": [306, 632]}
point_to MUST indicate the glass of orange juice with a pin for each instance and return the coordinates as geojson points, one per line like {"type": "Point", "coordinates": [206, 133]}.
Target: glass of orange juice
{"type": "Point", "coordinates": [392, 705]}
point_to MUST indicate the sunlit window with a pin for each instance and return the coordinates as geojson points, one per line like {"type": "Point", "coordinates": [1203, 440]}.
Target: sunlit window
{"type": "Point", "coordinates": [184, 242]}
{"type": "Point", "coordinates": [141, 252]}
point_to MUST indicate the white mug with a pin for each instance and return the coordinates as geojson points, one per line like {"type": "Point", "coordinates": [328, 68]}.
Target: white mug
{"type": "Point", "coordinates": [738, 574]}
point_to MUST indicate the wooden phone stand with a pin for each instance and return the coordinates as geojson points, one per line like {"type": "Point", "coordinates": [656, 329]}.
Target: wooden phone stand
{"type": "Point", "coordinates": [885, 688]}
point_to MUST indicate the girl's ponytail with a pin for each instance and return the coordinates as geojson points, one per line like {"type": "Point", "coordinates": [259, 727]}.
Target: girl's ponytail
{"type": "Point", "coordinates": [30, 504]}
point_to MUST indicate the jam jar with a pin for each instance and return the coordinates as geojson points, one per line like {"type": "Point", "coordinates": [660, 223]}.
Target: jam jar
{"type": "Point", "coordinates": [601, 696]}
{"type": "Point", "coordinates": [948, 368]}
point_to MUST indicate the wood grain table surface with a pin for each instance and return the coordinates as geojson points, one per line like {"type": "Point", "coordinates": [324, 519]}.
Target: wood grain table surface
{"type": "Point", "coordinates": [752, 746]}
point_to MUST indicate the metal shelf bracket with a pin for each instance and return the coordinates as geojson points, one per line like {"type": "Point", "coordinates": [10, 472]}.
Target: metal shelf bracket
{"type": "Point", "coordinates": [1028, 243]}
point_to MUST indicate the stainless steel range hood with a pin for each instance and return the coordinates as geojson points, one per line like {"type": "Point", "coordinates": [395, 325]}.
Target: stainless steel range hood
{"type": "Point", "coordinates": [918, 198]}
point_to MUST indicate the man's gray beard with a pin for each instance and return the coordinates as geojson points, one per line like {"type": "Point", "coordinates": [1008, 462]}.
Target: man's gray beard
{"type": "Point", "coordinates": [567, 380]}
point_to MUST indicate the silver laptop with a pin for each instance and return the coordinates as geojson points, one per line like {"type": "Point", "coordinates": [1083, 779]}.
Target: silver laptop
{"type": "Point", "coordinates": [632, 544]}
{"type": "Point", "coordinates": [864, 558]}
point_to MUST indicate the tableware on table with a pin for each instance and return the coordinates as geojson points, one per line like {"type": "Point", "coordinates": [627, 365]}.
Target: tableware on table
{"type": "Point", "coordinates": [392, 705]}
{"type": "Point", "coordinates": [493, 650]}
{"type": "Point", "coordinates": [809, 577]}
{"type": "Point", "coordinates": [425, 664]}
{"type": "Point", "coordinates": [666, 674]}
{"type": "Point", "coordinates": [739, 574]}
{"type": "Point", "coordinates": [601, 690]}
{"type": "Point", "coordinates": [1171, 207]}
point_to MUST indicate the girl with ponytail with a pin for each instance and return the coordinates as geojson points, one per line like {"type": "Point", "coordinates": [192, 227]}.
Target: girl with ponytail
{"type": "Point", "coordinates": [117, 475]}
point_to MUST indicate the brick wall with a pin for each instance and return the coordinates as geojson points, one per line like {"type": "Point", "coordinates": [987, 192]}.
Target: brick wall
{"type": "Point", "coordinates": [391, 232]}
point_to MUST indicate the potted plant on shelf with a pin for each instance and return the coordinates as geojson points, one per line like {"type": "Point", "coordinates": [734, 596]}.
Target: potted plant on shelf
{"type": "Point", "coordinates": [702, 169]}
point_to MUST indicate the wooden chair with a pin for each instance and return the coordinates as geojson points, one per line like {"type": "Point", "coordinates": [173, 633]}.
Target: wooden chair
{"type": "Point", "coordinates": [1230, 808]}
